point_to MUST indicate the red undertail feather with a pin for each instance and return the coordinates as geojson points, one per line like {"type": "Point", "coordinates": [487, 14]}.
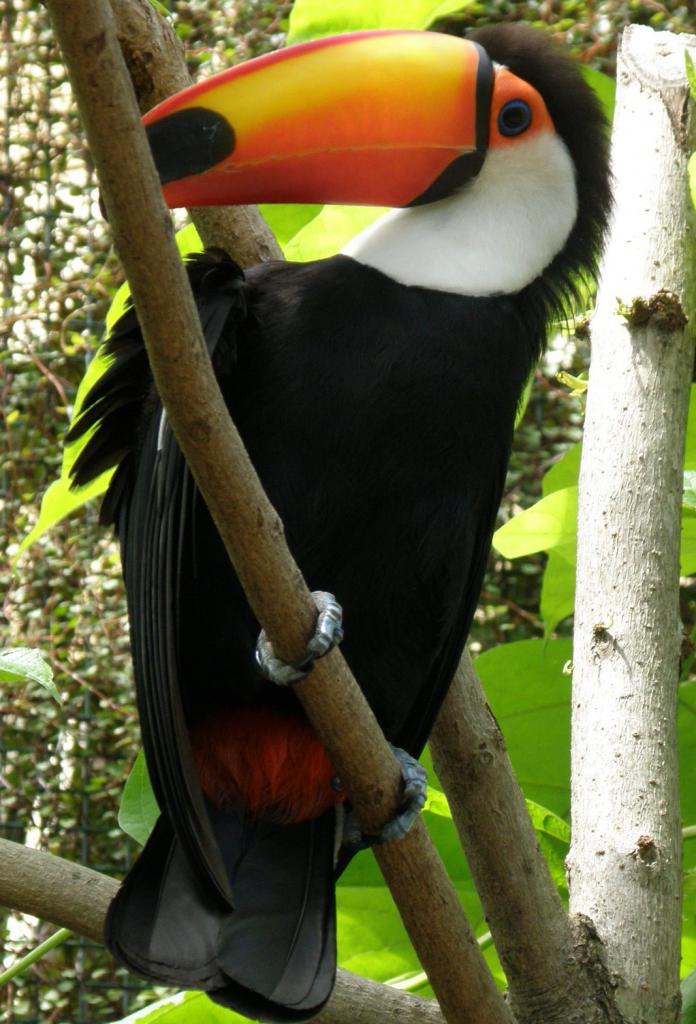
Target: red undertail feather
{"type": "Point", "coordinates": [269, 760]}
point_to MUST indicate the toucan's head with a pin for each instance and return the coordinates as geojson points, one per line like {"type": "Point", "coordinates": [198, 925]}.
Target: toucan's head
{"type": "Point", "coordinates": [497, 125]}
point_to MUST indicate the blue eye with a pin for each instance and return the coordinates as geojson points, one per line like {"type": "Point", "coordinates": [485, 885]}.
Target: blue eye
{"type": "Point", "coordinates": [514, 118]}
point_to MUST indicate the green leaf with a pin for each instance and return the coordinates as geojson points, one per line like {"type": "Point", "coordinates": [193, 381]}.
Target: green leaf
{"type": "Point", "coordinates": [138, 812]}
{"type": "Point", "coordinates": [577, 386]}
{"type": "Point", "coordinates": [605, 88]}
{"type": "Point", "coordinates": [688, 990]}
{"type": "Point", "coordinates": [311, 19]}
{"type": "Point", "coordinates": [557, 588]}
{"type": "Point", "coordinates": [286, 219]}
{"type": "Point", "coordinates": [564, 472]}
{"type": "Point", "coordinates": [161, 9]}
{"type": "Point", "coordinates": [687, 551]}
{"type": "Point", "coordinates": [690, 74]}
{"type": "Point", "coordinates": [689, 494]}
{"type": "Point", "coordinates": [436, 802]}
{"type": "Point", "coordinates": [183, 1008]}
{"type": "Point", "coordinates": [329, 231]}
{"type": "Point", "coordinates": [691, 174]}
{"type": "Point", "coordinates": [529, 694]}
{"type": "Point", "coordinates": [27, 665]}
{"type": "Point", "coordinates": [550, 523]}
{"type": "Point", "coordinates": [548, 823]}
{"type": "Point", "coordinates": [690, 452]}
{"type": "Point", "coordinates": [60, 500]}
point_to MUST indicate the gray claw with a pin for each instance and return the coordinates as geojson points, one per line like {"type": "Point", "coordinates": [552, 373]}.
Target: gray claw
{"type": "Point", "coordinates": [415, 788]}
{"type": "Point", "coordinates": [328, 633]}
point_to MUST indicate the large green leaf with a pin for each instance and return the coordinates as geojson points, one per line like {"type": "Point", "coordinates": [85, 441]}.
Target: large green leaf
{"type": "Point", "coordinates": [550, 523]}
{"type": "Point", "coordinates": [311, 19]}
{"type": "Point", "coordinates": [329, 231]}
{"type": "Point", "coordinates": [286, 219]}
{"type": "Point", "coordinates": [529, 694]}
{"type": "Point", "coordinates": [183, 1008]}
{"type": "Point", "coordinates": [60, 500]}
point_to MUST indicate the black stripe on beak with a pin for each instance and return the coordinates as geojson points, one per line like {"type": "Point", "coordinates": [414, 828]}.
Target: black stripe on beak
{"type": "Point", "coordinates": [467, 166]}
{"type": "Point", "coordinates": [189, 142]}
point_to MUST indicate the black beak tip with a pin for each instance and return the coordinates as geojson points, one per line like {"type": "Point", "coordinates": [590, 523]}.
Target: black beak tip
{"type": "Point", "coordinates": [189, 142]}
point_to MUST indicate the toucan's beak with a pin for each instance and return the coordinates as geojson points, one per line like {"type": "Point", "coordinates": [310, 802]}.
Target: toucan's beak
{"type": "Point", "coordinates": [376, 118]}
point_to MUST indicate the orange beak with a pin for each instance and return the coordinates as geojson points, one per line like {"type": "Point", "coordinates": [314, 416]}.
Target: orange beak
{"type": "Point", "coordinates": [374, 118]}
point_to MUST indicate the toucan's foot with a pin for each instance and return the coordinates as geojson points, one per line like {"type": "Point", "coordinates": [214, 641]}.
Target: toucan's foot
{"type": "Point", "coordinates": [415, 788]}
{"type": "Point", "coordinates": [328, 633]}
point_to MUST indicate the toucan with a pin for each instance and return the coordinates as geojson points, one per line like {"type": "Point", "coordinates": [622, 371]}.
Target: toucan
{"type": "Point", "coordinates": [376, 392]}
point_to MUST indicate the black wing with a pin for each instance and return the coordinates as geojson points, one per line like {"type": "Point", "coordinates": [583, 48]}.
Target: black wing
{"type": "Point", "coordinates": [150, 501]}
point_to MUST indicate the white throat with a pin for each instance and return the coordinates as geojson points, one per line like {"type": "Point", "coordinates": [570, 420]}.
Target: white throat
{"type": "Point", "coordinates": [494, 237]}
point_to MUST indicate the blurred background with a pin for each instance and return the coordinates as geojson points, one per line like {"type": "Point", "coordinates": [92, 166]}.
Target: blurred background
{"type": "Point", "coordinates": [62, 767]}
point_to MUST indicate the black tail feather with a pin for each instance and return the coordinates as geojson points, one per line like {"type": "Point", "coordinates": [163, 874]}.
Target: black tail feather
{"type": "Point", "coordinates": [273, 958]}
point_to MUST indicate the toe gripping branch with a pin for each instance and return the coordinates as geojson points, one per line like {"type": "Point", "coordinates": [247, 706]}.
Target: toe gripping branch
{"type": "Point", "coordinates": [413, 794]}
{"type": "Point", "coordinates": [328, 633]}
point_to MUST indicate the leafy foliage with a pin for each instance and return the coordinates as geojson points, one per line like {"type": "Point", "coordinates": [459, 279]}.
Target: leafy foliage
{"type": "Point", "coordinates": [26, 664]}
{"type": "Point", "coordinates": [550, 525]}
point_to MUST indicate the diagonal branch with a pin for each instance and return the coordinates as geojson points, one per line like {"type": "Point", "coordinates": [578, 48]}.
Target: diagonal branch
{"type": "Point", "coordinates": [248, 525]}
{"type": "Point", "coordinates": [551, 962]}
{"type": "Point", "coordinates": [76, 897]}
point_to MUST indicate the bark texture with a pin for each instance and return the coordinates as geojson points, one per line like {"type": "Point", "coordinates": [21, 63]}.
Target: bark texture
{"type": "Point", "coordinates": [624, 865]}
{"type": "Point", "coordinates": [249, 526]}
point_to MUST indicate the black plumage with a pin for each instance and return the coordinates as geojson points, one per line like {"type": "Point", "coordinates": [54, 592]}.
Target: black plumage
{"type": "Point", "coordinates": [379, 418]}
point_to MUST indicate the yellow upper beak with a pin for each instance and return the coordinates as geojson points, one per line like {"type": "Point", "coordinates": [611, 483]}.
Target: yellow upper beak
{"type": "Point", "coordinates": [376, 118]}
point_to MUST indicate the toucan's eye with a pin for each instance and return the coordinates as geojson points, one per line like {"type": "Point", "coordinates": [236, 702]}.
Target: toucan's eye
{"type": "Point", "coordinates": [514, 118]}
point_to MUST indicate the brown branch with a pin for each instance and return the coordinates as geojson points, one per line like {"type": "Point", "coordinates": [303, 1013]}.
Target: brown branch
{"type": "Point", "coordinates": [250, 528]}
{"type": "Point", "coordinates": [155, 60]}
{"type": "Point", "coordinates": [550, 961]}
{"type": "Point", "coordinates": [76, 897]}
